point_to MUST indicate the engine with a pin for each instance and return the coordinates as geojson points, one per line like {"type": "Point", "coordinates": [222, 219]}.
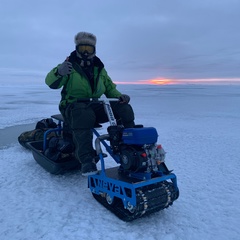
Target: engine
{"type": "Point", "coordinates": [134, 159]}
{"type": "Point", "coordinates": [140, 159]}
{"type": "Point", "coordinates": [137, 148]}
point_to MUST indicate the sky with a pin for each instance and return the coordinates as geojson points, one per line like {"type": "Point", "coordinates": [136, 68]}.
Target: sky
{"type": "Point", "coordinates": [137, 40]}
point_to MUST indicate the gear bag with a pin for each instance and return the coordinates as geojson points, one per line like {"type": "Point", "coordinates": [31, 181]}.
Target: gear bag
{"type": "Point", "coordinates": [37, 134]}
{"type": "Point", "coordinates": [59, 149]}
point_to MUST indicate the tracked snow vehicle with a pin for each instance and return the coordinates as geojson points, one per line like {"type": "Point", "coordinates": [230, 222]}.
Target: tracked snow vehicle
{"type": "Point", "coordinates": [140, 184]}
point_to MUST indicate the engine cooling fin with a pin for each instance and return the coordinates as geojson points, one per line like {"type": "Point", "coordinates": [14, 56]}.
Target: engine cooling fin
{"type": "Point", "coordinates": [150, 199]}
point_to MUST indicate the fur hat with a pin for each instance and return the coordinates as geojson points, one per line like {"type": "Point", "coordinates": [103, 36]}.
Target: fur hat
{"type": "Point", "coordinates": [85, 38]}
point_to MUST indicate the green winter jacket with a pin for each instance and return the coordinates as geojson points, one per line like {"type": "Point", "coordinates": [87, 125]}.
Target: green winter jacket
{"type": "Point", "coordinates": [77, 85]}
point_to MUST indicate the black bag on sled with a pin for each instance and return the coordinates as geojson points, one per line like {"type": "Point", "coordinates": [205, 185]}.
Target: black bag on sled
{"type": "Point", "coordinates": [37, 133]}
{"type": "Point", "coordinates": [59, 149]}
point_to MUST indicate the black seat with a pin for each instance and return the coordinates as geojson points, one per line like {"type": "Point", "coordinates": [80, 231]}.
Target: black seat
{"type": "Point", "coordinates": [58, 117]}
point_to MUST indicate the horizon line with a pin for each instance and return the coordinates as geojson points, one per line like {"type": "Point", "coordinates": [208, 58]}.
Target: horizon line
{"type": "Point", "coordinates": [168, 81]}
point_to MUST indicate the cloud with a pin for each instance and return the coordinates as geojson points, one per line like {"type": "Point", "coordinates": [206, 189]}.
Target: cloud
{"type": "Point", "coordinates": [136, 39]}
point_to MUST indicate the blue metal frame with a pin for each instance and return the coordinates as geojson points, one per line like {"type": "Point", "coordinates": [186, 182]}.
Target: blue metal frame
{"type": "Point", "coordinates": [58, 130]}
{"type": "Point", "coordinates": [101, 183]}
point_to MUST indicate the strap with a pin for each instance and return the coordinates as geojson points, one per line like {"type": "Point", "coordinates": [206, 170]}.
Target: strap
{"type": "Point", "coordinates": [79, 70]}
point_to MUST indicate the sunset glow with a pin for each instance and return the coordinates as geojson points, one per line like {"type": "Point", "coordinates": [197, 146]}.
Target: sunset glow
{"type": "Point", "coordinates": [155, 81]}
{"type": "Point", "coordinates": [160, 81]}
{"type": "Point", "coordinates": [166, 81]}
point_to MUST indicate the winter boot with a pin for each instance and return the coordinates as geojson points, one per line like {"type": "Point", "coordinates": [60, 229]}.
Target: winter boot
{"type": "Point", "coordinates": [89, 168]}
{"type": "Point", "coordinates": [88, 164]}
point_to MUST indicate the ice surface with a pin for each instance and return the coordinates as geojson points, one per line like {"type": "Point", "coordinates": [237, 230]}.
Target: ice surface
{"type": "Point", "coordinates": [198, 126]}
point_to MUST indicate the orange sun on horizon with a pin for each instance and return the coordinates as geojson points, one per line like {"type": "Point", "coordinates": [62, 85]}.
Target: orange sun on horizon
{"type": "Point", "coordinates": [160, 81]}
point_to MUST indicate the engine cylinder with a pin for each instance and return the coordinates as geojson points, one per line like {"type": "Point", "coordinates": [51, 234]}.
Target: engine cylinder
{"type": "Point", "coordinates": [133, 159]}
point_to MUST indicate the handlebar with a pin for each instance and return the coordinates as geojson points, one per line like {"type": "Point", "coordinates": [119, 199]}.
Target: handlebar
{"type": "Point", "coordinates": [98, 100]}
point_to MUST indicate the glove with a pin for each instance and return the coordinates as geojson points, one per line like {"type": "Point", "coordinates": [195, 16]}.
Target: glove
{"type": "Point", "coordinates": [65, 68]}
{"type": "Point", "coordinates": [124, 98]}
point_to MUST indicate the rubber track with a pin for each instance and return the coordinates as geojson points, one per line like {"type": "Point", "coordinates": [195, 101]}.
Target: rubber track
{"type": "Point", "coordinates": [150, 199]}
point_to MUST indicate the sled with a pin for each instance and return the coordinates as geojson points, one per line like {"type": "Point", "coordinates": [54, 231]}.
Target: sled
{"type": "Point", "coordinates": [139, 185]}
{"type": "Point", "coordinates": [49, 165]}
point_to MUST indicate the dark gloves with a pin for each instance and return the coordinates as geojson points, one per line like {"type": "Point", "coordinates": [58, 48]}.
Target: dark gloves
{"type": "Point", "coordinates": [124, 98]}
{"type": "Point", "coordinates": [65, 68]}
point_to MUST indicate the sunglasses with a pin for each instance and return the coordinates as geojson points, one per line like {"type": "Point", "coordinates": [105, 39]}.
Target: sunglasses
{"type": "Point", "coordinates": [83, 48]}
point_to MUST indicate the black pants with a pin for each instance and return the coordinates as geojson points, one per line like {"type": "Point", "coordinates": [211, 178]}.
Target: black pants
{"type": "Point", "coordinates": [82, 117]}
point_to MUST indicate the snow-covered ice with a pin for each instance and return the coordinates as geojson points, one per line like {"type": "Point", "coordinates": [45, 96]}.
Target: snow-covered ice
{"type": "Point", "coordinates": [198, 126]}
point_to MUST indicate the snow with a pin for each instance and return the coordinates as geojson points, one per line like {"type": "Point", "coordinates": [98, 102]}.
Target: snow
{"type": "Point", "coordinates": [198, 126]}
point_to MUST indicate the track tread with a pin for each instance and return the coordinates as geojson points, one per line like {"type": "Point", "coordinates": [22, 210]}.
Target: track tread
{"type": "Point", "coordinates": [150, 199]}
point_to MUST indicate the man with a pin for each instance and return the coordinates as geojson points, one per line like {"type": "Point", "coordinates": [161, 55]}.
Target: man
{"type": "Point", "coordinates": [82, 75]}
